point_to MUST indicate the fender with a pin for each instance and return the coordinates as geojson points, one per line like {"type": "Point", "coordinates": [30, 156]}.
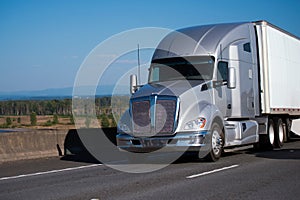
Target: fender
{"type": "Point", "coordinates": [201, 109]}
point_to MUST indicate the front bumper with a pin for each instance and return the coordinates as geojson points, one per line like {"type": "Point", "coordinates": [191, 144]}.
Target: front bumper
{"type": "Point", "coordinates": [179, 142]}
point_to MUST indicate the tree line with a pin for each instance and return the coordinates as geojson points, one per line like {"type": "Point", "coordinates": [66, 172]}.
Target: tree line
{"type": "Point", "coordinates": [63, 107]}
{"type": "Point", "coordinates": [107, 109]}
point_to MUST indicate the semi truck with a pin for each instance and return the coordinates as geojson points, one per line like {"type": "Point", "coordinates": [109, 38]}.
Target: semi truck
{"type": "Point", "coordinates": [215, 87]}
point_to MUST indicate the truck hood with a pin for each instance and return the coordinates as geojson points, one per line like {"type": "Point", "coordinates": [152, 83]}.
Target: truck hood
{"type": "Point", "coordinates": [168, 88]}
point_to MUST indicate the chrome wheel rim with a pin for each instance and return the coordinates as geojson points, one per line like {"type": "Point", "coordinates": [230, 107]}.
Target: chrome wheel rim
{"type": "Point", "coordinates": [216, 142]}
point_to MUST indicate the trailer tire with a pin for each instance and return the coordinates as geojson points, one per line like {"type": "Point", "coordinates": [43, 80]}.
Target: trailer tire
{"type": "Point", "coordinates": [267, 141]}
{"type": "Point", "coordinates": [270, 143]}
{"type": "Point", "coordinates": [216, 142]}
{"type": "Point", "coordinates": [280, 132]}
{"type": "Point", "coordinates": [288, 126]}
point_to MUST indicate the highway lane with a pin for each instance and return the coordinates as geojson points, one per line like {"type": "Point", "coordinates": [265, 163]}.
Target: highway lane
{"type": "Point", "coordinates": [238, 175]}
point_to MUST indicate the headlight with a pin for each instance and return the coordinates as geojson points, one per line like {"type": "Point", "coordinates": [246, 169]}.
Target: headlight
{"type": "Point", "coordinates": [195, 124]}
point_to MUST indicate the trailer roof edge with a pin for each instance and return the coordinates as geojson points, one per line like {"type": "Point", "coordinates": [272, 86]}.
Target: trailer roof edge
{"type": "Point", "coordinates": [264, 22]}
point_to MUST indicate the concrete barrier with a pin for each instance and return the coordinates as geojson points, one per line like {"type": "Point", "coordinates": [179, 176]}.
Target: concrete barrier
{"type": "Point", "coordinates": [31, 144]}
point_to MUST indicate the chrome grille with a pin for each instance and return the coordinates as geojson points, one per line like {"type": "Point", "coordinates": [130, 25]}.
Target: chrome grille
{"type": "Point", "coordinates": [155, 114]}
{"type": "Point", "coordinates": [165, 116]}
{"type": "Point", "coordinates": [141, 116]}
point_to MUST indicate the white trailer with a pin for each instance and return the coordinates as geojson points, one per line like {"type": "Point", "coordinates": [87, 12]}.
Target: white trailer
{"type": "Point", "coordinates": [279, 65]}
{"type": "Point", "coordinates": [279, 70]}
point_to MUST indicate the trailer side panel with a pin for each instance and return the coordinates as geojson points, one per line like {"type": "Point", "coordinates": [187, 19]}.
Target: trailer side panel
{"type": "Point", "coordinates": [279, 70]}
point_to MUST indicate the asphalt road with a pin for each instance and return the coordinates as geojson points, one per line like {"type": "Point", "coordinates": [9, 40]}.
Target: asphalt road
{"type": "Point", "coordinates": [244, 174]}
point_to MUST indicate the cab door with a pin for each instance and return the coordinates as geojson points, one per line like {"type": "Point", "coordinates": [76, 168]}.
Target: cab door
{"type": "Point", "coordinates": [243, 100]}
{"type": "Point", "coordinates": [221, 93]}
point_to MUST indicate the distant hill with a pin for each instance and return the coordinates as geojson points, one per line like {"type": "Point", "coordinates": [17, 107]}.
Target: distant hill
{"type": "Point", "coordinates": [61, 93]}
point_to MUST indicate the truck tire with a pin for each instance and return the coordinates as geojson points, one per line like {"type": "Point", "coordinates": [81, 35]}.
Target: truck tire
{"type": "Point", "coordinates": [280, 132]}
{"type": "Point", "coordinates": [267, 141]}
{"type": "Point", "coordinates": [217, 143]}
{"type": "Point", "coordinates": [271, 135]}
{"type": "Point", "coordinates": [288, 126]}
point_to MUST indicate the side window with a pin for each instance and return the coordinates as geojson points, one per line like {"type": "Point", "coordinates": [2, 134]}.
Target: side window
{"type": "Point", "coordinates": [155, 74]}
{"type": "Point", "coordinates": [247, 47]}
{"type": "Point", "coordinates": [222, 71]}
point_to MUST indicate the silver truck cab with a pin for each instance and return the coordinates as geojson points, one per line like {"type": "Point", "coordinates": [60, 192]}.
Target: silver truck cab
{"type": "Point", "coordinates": [201, 80]}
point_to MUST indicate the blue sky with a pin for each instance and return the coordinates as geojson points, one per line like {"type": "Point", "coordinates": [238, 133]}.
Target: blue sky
{"type": "Point", "coordinates": [44, 42]}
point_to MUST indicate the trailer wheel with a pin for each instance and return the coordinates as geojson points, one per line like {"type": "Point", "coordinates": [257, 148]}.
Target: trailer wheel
{"type": "Point", "coordinates": [267, 141]}
{"type": "Point", "coordinates": [288, 126]}
{"type": "Point", "coordinates": [271, 134]}
{"type": "Point", "coordinates": [280, 132]}
{"type": "Point", "coordinates": [217, 143]}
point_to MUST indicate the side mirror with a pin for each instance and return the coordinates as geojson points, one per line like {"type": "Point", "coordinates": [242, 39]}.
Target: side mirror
{"type": "Point", "coordinates": [231, 84]}
{"type": "Point", "coordinates": [133, 83]}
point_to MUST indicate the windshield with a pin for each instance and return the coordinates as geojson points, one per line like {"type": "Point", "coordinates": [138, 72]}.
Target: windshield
{"type": "Point", "coordinates": [179, 68]}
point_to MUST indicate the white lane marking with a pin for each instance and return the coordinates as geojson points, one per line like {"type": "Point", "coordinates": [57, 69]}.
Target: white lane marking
{"type": "Point", "coordinates": [210, 172]}
{"type": "Point", "coordinates": [49, 172]}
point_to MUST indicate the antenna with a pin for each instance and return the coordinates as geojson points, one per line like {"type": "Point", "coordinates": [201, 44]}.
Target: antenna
{"type": "Point", "coordinates": [139, 65]}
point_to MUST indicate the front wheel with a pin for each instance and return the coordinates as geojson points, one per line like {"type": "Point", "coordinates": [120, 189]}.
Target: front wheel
{"type": "Point", "coordinates": [216, 143]}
